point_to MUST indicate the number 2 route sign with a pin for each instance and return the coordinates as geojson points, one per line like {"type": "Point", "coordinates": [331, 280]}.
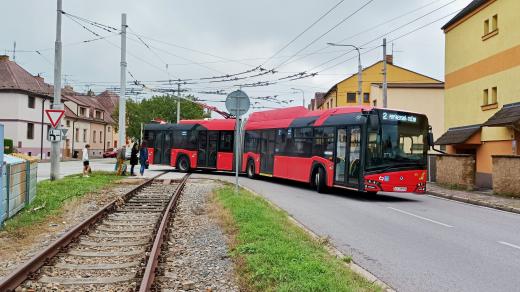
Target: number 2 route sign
{"type": "Point", "coordinates": [54, 116]}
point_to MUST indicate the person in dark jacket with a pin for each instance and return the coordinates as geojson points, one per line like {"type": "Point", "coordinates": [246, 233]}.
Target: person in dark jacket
{"type": "Point", "coordinates": [143, 158]}
{"type": "Point", "coordinates": [133, 158]}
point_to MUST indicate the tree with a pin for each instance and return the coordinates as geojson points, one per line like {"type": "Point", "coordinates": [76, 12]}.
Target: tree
{"type": "Point", "coordinates": [162, 107]}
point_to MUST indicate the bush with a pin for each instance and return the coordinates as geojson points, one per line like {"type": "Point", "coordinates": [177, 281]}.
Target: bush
{"type": "Point", "coordinates": [8, 146]}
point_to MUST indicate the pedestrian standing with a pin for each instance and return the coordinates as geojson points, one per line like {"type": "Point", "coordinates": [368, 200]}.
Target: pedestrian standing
{"type": "Point", "coordinates": [133, 158]}
{"type": "Point", "coordinates": [143, 158]}
{"type": "Point", "coordinates": [121, 167]}
{"type": "Point", "coordinates": [86, 166]}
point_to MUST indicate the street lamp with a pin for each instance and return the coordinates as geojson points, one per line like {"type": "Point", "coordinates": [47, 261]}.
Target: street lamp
{"type": "Point", "coordinates": [303, 94]}
{"type": "Point", "coordinates": [360, 69]}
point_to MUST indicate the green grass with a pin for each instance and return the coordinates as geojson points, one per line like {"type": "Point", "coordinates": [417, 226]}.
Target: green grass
{"type": "Point", "coordinates": [53, 194]}
{"type": "Point", "coordinates": [273, 254]}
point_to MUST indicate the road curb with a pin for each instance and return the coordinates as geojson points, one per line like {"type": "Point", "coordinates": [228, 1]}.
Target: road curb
{"type": "Point", "coordinates": [331, 249]}
{"type": "Point", "coordinates": [475, 202]}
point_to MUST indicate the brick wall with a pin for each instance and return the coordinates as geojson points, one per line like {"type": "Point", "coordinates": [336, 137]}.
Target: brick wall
{"type": "Point", "coordinates": [456, 170]}
{"type": "Point", "coordinates": [505, 175]}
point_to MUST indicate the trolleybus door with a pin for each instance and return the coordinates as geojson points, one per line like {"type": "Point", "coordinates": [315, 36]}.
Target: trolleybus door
{"type": "Point", "coordinates": [167, 146]}
{"type": "Point", "coordinates": [207, 152]}
{"type": "Point", "coordinates": [267, 145]}
{"type": "Point", "coordinates": [158, 146]}
{"type": "Point", "coordinates": [348, 149]}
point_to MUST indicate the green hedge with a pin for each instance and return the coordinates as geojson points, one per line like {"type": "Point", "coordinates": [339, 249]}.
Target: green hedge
{"type": "Point", "coordinates": [8, 146]}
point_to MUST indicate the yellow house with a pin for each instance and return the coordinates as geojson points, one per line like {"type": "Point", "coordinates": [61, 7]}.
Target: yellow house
{"type": "Point", "coordinates": [483, 83]}
{"type": "Point", "coordinates": [344, 93]}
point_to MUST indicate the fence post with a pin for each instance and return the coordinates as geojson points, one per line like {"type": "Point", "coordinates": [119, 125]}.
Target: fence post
{"type": "Point", "coordinates": [1, 175]}
{"type": "Point", "coordinates": [27, 182]}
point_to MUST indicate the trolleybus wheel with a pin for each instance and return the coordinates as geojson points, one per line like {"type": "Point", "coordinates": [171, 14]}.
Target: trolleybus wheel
{"type": "Point", "coordinates": [251, 169]}
{"type": "Point", "coordinates": [319, 180]}
{"type": "Point", "coordinates": [183, 164]}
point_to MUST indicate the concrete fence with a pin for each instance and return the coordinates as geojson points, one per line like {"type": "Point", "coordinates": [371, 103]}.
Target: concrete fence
{"type": "Point", "coordinates": [456, 170]}
{"type": "Point", "coordinates": [506, 173]}
{"type": "Point", "coordinates": [18, 185]}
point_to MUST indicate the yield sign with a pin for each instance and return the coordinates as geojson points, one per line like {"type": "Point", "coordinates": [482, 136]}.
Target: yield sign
{"type": "Point", "coordinates": [54, 116]}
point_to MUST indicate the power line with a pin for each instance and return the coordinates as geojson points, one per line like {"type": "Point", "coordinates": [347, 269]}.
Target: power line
{"type": "Point", "coordinates": [325, 33]}
{"type": "Point", "coordinates": [304, 31]}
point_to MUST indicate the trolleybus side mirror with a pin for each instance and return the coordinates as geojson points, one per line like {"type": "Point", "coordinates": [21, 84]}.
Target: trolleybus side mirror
{"type": "Point", "coordinates": [431, 142]}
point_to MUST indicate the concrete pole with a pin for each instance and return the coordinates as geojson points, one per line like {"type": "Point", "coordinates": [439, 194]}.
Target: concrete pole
{"type": "Point", "coordinates": [385, 85]}
{"type": "Point", "coordinates": [360, 78]}
{"type": "Point", "coordinates": [56, 102]}
{"type": "Point", "coordinates": [178, 102]}
{"type": "Point", "coordinates": [122, 97]}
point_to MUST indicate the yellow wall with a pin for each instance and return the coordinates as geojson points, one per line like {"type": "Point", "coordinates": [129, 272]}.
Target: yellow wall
{"type": "Point", "coordinates": [428, 101]}
{"type": "Point", "coordinates": [371, 75]}
{"type": "Point", "coordinates": [474, 63]}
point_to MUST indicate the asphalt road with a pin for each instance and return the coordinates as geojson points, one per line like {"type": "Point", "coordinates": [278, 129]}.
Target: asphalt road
{"type": "Point", "coordinates": [412, 242]}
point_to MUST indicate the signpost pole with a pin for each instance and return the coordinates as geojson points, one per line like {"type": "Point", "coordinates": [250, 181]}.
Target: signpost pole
{"type": "Point", "coordinates": [56, 102]}
{"type": "Point", "coordinates": [237, 144]}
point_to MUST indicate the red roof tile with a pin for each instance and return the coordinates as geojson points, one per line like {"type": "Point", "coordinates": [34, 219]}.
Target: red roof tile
{"type": "Point", "coordinates": [12, 76]}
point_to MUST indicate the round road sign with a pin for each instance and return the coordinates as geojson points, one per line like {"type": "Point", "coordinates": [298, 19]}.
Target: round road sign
{"type": "Point", "coordinates": [237, 103]}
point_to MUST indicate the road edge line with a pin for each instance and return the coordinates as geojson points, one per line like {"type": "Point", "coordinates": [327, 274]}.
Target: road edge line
{"type": "Point", "coordinates": [331, 249]}
{"type": "Point", "coordinates": [475, 202]}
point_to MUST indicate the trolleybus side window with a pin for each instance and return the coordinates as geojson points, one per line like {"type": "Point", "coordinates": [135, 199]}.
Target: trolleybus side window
{"type": "Point", "coordinates": [226, 141]}
{"type": "Point", "coordinates": [323, 142]}
{"type": "Point", "coordinates": [252, 140]}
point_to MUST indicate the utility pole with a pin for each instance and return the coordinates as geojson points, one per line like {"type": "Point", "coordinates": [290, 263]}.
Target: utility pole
{"type": "Point", "coordinates": [122, 93]}
{"type": "Point", "coordinates": [385, 85]}
{"type": "Point", "coordinates": [178, 102]}
{"type": "Point", "coordinates": [56, 102]}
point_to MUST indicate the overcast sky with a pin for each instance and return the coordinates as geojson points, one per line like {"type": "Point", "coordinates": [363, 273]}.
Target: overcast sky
{"type": "Point", "coordinates": [208, 38]}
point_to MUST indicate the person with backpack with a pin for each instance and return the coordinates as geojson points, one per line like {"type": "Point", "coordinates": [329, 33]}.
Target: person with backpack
{"type": "Point", "coordinates": [143, 158]}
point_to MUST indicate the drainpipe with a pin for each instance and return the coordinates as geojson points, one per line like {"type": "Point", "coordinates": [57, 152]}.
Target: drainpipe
{"type": "Point", "coordinates": [104, 138]}
{"type": "Point", "coordinates": [41, 138]}
{"type": "Point", "coordinates": [73, 138]}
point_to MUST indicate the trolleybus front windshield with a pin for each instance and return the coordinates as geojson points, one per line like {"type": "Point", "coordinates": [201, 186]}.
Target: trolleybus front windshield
{"type": "Point", "coordinates": [400, 141]}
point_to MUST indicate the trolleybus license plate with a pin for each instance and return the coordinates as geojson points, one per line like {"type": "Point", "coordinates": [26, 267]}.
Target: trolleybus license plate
{"type": "Point", "coordinates": [400, 189]}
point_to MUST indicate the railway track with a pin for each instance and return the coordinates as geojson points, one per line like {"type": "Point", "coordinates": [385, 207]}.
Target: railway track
{"type": "Point", "coordinates": [115, 249]}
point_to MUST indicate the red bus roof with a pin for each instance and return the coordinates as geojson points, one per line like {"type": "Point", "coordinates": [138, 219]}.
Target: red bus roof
{"type": "Point", "coordinates": [282, 118]}
{"type": "Point", "coordinates": [214, 124]}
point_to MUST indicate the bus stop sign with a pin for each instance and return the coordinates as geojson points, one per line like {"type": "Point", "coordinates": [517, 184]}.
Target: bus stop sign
{"type": "Point", "coordinates": [237, 103]}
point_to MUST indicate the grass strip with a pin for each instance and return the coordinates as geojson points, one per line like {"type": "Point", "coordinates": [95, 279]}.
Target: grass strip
{"type": "Point", "coordinates": [273, 254]}
{"type": "Point", "coordinates": [51, 195]}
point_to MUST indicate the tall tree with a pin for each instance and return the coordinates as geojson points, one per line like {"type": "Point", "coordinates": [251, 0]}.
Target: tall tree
{"type": "Point", "coordinates": [162, 107]}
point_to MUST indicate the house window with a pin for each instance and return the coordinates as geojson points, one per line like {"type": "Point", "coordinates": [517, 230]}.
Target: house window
{"type": "Point", "coordinates": [351, 97]}
{"type": "Point", "coordinates": [68, 123]}
{"type": "Point", "coordinates": [77, 135]}
{"type": "Point", "coordinates": [485, 97]}
{"type": "Point", "coordinates": [366, 97]}
{"type": "Point", "coordinates": [108, 129]}
{"type": "Point", "coordinates": [82, 111]}
{"type": "Point", "coordinates": [98, 114]}
{"type": "Point", "coordinates": [494, 95]}
{"type": "Point", "coordinates": [494, 22]}
{"type": "Point", "coordinates": [30, 131]}
{"type": "Point", "coordinates": [31, 102]}
{"type": "Point", "coordinates": [94, 137]}
{"type": "Point", "coordinates": [108, 144]}
{"type": "Point", "coordinates": [100, 136]}
{"type": "Point", "coordinates": [486, 26]}
{"type": "Point", "coordinates": [84, 135]}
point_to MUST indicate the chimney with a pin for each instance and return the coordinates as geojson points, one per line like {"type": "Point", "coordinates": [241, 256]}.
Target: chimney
{"type": "Point", "coordinates": [390, 59]}
{"type": "Point", "coordinates": [4, 58]}
{"type": "Point", "coordinates": [68, 88]}
{"type": "Point", "coordinates": [39, 78]}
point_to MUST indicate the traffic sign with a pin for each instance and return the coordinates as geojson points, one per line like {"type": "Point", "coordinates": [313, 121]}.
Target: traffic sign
{"type": "Point", "coordinates": [54, 135]}
{"type": "Point", "coordinates": [55, 116]}
{"type": "Point", "coordinates": [237, 103]}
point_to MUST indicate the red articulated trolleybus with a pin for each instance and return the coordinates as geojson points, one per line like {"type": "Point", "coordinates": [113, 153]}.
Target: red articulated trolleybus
{"type": "Point", "coordinates": [358, 148]}
{"type": "Point", "coordinates": [192, 144]}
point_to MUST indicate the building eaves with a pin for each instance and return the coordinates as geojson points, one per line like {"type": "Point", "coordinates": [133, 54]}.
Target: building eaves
{"type": "Point", "coordinates": [458, 135]}
{"type": "Point", "coordinates": [509, 114]}
{"type": "Point", "coordinates": [470, 8]}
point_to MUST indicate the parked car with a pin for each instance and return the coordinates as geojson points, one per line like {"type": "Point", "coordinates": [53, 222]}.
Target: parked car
{"type": "Point", "coordinates": [111, 153]}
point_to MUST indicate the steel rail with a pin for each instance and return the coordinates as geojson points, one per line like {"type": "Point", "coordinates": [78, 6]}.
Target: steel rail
{"type": "Point", "coordinates": [23, 272]}
{"type": "Point", "coordinates": [153, 260]}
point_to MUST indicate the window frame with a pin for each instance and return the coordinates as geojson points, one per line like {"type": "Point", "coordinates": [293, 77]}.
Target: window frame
{"type": "Point", "coordinates": [31, 101]}
{"type": "Point", "coordinates": [351, 94]}
{"type": "Point", "coordinates": [30, 131]}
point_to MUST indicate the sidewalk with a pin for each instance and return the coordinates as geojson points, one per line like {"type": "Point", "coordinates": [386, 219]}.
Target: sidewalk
{"type": "Point", "coordinates": [477, 198]}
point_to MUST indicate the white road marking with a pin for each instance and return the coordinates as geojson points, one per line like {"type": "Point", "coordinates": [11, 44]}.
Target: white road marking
{"type": "Point", "coordinates": [509, 244]}
{"type": "Point", "coordinates": [420, 217]}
